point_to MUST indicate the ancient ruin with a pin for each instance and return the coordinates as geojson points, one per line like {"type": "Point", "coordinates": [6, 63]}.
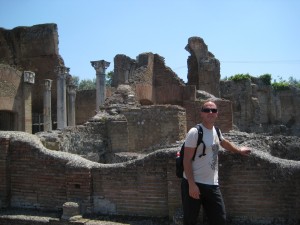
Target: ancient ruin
{"type": "Point", "coordinates": [102, 150]}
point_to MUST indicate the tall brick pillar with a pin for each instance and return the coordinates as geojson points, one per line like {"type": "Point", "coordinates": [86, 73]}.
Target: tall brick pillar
{"type": "Point", "coordinates": [100, 67]}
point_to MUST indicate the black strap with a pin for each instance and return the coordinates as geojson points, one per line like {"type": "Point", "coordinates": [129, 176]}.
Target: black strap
{"type": "Point", "coordinates": [200, 137]}
{"type": "Point", "coordinates": [200, 140]}
{"type": "Point", "coordinates": [204, 147]}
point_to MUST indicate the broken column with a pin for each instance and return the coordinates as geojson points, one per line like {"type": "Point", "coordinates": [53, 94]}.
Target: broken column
{"type": "Point", "coordinates": [47, 105]}
{"type": "Point", "coordinates": [100, 67]}
{"type": "Point", "coordinates": [62, 73]}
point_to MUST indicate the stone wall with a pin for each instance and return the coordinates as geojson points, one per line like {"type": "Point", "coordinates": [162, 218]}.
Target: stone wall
{"type": "Point", "coordinates": [33, 177]}
{"type": "Point", "coordinates": [134, 130]}
{"type": "Point", "coordinates": [258, 108]}
{"type": "Point", "coordinates": [33, 49]}
{"type": "Point", "coordinates": [15, 98]}
{"type": "Point", "coordinates": [224, 121]}
{"type": "Point", "coordinates": [153, 126]}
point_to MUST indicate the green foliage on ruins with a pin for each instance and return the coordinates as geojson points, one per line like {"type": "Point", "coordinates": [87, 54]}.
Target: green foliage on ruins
{"type": "Point", "coordinates": [281, 85]}
{"type": "Point", "coordinates": [240, 77]}
{"type": "Point", "coordinates": [266, 78]}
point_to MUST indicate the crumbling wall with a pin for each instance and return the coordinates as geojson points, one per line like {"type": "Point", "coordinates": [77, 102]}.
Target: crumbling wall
{"type": "Point", "coordinates": [203, 67]}
{"type": "Point", "coordinates": [136, 130]}
{"type": "Point", "coordinates": [257, 107]}
{"type": "Point", "coordinates": [252, 188]}
{"type": "Point", "coordinates": [34, 49]}
{"type": "Point", "coordinates": [37, 178]}
{"type": "Point", "coordinates": [11, 91]}
{"type": "Point", "coordinates": [15, 100]}
{"type": "Point", "coordinates": [152, 126]}
{"type": "Point", "coordinates": [169, 88]}
{"type": "Point", "coordinates": [224, 121]}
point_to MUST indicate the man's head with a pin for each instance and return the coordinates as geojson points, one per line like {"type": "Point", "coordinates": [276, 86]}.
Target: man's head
{"type": "Point", "coordinates": [209, 113]}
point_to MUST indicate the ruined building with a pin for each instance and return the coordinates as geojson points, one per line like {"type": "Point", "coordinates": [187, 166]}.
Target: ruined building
{"type": "Point", "coordinates": [125, 146]}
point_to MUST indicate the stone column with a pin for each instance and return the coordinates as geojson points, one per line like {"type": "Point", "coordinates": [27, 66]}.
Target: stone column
{"type": "Point", "coordinates": [62, 73]}
{"type": "Point", "coordinates": [100, 67]}
{"type": "Point", "coordinates": [29, 79]}
{"type": "Point", "coordinates": [71, 103]}
{"type": "Point", "coordinates": [47, 105]}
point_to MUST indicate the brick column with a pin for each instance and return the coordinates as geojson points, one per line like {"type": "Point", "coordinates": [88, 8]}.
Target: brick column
{"type": "Point", "coordinates": [100, 67]}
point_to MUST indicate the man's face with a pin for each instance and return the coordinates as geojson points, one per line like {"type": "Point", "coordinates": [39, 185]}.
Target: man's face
{"type": "Point", "coordinates": [209, 112]}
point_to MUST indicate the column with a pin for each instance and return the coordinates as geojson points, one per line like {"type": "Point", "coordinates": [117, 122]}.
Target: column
{"type": "Point", "coordinates": [47, 105]}
{"type": "Point", "coordinates": [100, 67]}
{"type": "Point", "coordinates": [71, 103]}
{"type": "Point", "coordinates": [62, 73]}
{"type": "Point", "coordinates": [29, 79]}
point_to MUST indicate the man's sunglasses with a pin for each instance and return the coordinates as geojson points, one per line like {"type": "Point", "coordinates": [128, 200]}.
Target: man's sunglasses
{"type": "Point", "coordinates": [207, 110]}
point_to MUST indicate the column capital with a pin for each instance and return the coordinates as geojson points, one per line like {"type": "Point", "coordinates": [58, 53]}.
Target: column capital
{"type": "Point", "coordinates": [100, 66]}
{"type": "Point", "coordinates": [48, 84]}
{"type": "Point", "coordinates": [62, 70]}
{"type": "Point", "coordinates": [29, 77]}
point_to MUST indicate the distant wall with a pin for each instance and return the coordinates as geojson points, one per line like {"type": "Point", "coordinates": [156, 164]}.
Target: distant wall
{"type": "Point", "coordinates": [36, 178]}
{"type": "Point", "coordinates": [256, 107]}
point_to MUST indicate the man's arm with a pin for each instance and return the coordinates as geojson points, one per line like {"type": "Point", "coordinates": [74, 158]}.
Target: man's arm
{"type": "Point", "coordinates": [231, 147]}
{"type": "Point", "coordinates": [194, 191]}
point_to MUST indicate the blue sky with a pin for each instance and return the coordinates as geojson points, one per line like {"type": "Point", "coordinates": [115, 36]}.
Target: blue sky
{"type": "Point", "coordinates": [247, 36]}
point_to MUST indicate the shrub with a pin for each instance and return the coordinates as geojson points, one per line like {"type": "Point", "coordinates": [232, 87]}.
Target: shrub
{"type": "Point", "coordinates": [240, 77]}
{"type": "Point", "coordinates": [266, 78]}
{"type": "Point", "coordinates": [281, 86]}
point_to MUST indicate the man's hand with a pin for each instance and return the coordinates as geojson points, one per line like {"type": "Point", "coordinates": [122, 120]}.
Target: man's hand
{"type": "Point", "coordinates": [245, 151]}
{"type": "Point", "coordinates": [194, 191]}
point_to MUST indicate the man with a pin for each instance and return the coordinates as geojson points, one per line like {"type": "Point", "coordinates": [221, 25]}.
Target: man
{"type": "Point", "coordinates": [200, 183]}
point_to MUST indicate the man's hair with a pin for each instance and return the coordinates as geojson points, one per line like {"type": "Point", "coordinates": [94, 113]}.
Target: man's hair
{"type": "Point", "coordinates": [209, 100]}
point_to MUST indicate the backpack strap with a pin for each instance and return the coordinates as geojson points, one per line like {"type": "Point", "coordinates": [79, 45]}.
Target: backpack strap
{"type": "Point", "coordinates": [199, 141]}
{"type": "Point", "coordinates": [218, 132]}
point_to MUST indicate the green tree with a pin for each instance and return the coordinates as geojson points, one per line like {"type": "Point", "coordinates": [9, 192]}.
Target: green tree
{"type": "Point", "coordinates": [109, 78]}
{"type": "Point", "coordinates": [87, 84]}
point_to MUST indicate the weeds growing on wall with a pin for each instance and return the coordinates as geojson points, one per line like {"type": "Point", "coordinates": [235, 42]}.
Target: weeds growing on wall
{"type": "Point", "coordinates": [281, 85]}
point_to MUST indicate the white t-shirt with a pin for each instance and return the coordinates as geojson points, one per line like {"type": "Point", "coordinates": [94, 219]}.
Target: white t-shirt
{"type": "Point", "coordinates": [205, 168]}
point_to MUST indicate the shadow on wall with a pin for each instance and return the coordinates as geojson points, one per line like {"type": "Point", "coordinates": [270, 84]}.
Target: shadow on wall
{"type": "Point", "coordinates": [37, 178]}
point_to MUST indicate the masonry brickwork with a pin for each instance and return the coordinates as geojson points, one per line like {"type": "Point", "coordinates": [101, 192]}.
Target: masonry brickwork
{"type": "Point", "coordinates": [34, 177]}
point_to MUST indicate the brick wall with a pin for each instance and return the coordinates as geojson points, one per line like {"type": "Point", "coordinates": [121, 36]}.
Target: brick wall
{"type": "Point", "coordinates": [152, 126]}
{"type": "Point", "coordinates": [261, 187]}
{"type": "Point", "coordinates": [224, 121]}
{"type": "Point", "coordinates": [256, 188]}
{"type": "Point", "coordinates": [4, 172]}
